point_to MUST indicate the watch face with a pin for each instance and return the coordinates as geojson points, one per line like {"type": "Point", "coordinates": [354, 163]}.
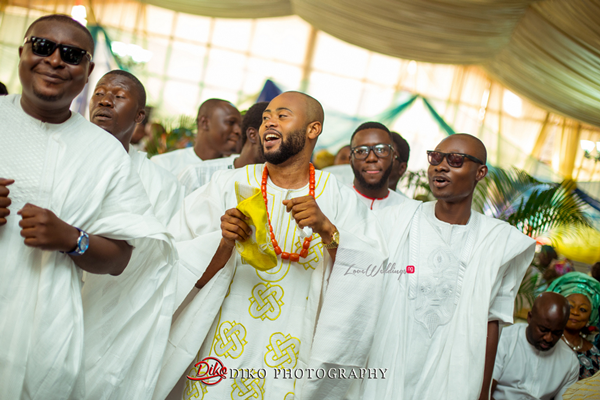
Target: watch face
{"type": "Point", "coordinates": [84, 243]}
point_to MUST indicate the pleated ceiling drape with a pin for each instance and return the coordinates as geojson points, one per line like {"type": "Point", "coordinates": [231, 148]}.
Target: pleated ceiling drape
{"type": "Point", "coordinates": [547, 51]}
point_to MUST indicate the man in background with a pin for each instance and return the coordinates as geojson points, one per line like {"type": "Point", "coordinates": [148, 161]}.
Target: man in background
{"type": "Point", "coordinates": [372, 159]}
{"type": "Point", "coordinates": [400, 161]}
{"type": "Point", "coordinates": [123, 362]}
{"type": "Point", "coordinates": [532, 361]}
{"type": "Point", "coordinates": [218, 134]}
{"type": "Point", "coordinates": [197, 175]}
{"type": "Point", "coordinates": [3, 89]}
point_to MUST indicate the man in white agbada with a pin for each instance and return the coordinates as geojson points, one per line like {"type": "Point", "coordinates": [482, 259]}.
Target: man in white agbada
{"type": "Point", "coordinates": [70, 202]}
{"type": "Point", "coordinates": [197, 175]}
{"type": "Point", "coordinates": [218, 134]}
{"type": "Point", "coordinates": [124, 343]}
{"type": "Point", "coordinates": [532, 362]}
{"type": "Point", "coordinates": [372, 159]}
{"type": "Point", "coordinates": [118, 105]}
{"type": "Point", "coordinates": [254, 319]}
{"type": "Point", "coordinates": [438, 327]}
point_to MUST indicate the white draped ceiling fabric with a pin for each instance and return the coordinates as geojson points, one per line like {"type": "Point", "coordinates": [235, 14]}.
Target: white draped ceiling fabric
{"type": "Point", "coordinates": [547, 51]}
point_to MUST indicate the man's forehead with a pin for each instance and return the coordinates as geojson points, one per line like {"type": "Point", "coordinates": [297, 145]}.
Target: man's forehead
{"type": "Point", "coordinates": [59, 32]}
{"type": "Point", "coordinates": [226, 108]}
{"type": "Point", "coordinates": [293, 102]}
{"type": "Point", "coordinates": [116, 80]}
{"type": "Point", "coordinates": [458, 144]}
{"type": "Point", "coordinates": [369, 135]}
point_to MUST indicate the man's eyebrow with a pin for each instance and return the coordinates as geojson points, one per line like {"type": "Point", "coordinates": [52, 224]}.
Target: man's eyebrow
{"type": "Point", "coordinates": [284, 108]}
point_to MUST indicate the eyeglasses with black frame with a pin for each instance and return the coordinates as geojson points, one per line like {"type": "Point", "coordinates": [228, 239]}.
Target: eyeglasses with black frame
{"type": "Point", "coordinates": [455, 160]}
{"type": "Point", "coordinates": [381, 151]}
{"type": "Point", "coordinates": [69, 54]}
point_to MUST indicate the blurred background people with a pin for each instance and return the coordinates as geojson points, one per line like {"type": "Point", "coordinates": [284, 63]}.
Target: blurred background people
{"type": "Point", "coordinates": [532, 361]}
{"type": "Point", "coordinates": [583, 293]}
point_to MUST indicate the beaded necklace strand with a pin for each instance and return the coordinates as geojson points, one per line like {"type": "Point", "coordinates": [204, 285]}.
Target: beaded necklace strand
{"type": "Point", "coordinates": [306, 245]}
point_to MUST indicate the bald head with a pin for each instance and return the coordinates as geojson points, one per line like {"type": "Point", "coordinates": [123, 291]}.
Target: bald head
{"type": "Point", "coordinates": [552, 305]}
{"type": "Point", "coordinates": [206, 109]}
{"type": "Point", "coordinates": [474, 147]}
{"type": "Point", "coordinates": [547, 320]}
{"type": "Point", "coordinates": [314, 109]}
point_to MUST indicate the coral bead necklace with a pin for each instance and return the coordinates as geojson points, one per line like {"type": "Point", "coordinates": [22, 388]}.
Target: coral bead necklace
{"type": "Point", "coordinates": [306, 245]}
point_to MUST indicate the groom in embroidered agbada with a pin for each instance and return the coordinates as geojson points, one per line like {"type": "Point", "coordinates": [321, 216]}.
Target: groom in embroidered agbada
{"type": "Point", "coordinates": [70, 201]}
{"type": "Point", "coordinates": [282, 317]}
{"type": "Point", "coordinates": [438, 328]}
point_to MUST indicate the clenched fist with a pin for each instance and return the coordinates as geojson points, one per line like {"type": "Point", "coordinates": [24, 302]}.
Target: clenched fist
{"type": "Point", "coordinates": [234, 227]}
{"type": "Point", "coordinates": [4, 199]}
{"type": "Point", "coordinates": [306, 212]}
{"type": "Point", "coordinates": [42, 229]}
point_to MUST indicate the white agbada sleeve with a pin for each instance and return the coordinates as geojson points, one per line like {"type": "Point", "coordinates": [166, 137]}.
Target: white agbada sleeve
{"type": "Point", "coordinates": [83, 175]}
{"type": "Point", "coordinates": [346, 323]}
{"type": "Point", "coordinates": [128, 337]}
{"type": "Point", "coordinates": [164, 191]}
{"type": "Point", "coordinates": [197, 231]}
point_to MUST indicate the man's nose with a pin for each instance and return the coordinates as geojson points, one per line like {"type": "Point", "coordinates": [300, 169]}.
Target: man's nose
{"type": "Point", "coordinates": [371, 157]}
{"type": "Point", "coordinates": [54, 59]}
{"type": "Point", "coordinates": [106, 101]}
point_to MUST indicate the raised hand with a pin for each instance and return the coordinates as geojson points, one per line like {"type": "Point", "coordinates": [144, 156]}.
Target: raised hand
{"type": "Point", "coordinates": [234, 227]}
{"type": "Point", "coordinates": [306, 212]}
{"type": "Point", "coordinates": [4, 199]}
{"type": "Point", "coordinates": [42, 229]}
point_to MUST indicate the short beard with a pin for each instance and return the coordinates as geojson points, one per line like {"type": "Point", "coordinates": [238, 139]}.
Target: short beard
{"type": "Point", "coordinates": [291, 146]}
{"type": "Point", "coordinates": [383, 182]}
{"type": "Point", "coordinates": [45, 97]}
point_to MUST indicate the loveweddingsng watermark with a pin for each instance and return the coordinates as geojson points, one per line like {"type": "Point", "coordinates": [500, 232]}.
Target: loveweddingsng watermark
{"type": "Point", "coordinates": [384, 269]}
{"type": "Point", "coordinates": [212, 371]}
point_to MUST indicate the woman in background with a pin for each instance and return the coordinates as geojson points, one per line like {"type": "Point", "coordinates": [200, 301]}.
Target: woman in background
{"type": "Point", "coordinates": [583, 294]}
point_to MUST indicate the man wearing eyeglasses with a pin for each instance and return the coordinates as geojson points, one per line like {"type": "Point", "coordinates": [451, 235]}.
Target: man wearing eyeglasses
{"type": "Point", "coordinates": [439, 325]}
{"type": "Point", "coordinates": [372, 158]}
{"type": "Point", "coordinates": [69, 202]}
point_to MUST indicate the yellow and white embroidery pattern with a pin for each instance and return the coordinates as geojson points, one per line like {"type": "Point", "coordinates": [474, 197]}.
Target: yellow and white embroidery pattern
{"type": "Point", "coordinates": [244, 389]}
{"type": "Point", "coordinates": [191, 388]}
{"type": "Point", "coordinates": [283, 351]}
{"type": "Point", "coordinates": [266, 301]}
{"type": "Point", "coordinates": [230, 340]}
{"type": "Point", "coordinates": [315, 252]}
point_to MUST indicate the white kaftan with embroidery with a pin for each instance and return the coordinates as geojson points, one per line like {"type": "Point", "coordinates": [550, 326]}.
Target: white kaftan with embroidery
{"type": "Point", "coordinates": [433, 325]}
{"type": "Point", "coordinates": [83, 175]}
{"type": "Point", "coordinates": [252, 319]}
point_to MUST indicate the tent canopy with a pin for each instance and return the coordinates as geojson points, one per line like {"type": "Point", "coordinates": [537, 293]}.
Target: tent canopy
{"type": "Point", "coordinates": [547, 51]}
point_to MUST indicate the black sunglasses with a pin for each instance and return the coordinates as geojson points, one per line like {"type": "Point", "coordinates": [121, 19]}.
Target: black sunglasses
{"type": "Point", "coordinates": [455, 160]}
{"type": "Point", "coordinates": [70, 54]}
{"type": "Point", "coordinates": [380, 150]}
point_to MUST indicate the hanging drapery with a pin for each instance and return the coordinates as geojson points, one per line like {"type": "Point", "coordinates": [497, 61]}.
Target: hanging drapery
{"type": "Point", "coordinates": [547, 51]}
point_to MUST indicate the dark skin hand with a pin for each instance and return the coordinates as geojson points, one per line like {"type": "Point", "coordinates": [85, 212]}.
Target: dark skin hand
{"type": "Point", "coordinates": [233, 227]}
{"type": "Point", "coordinates": [43, 230]}
{"type": "Point", "coordinates": [4, 199]}
{"type": "Point", "coordinates": [304, 210]}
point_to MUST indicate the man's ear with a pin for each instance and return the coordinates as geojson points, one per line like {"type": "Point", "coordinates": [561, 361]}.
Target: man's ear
{"type": "Point", "coordinates": [481, 173]}
{"type": "Point", "coordinates": [20, 51]}
{"type": "Point", "coordinates": [252, 135]}
{"type": "Point", "coordinates": [313, 130]}
{"type": "Point", "coordinates": [203, 123]}
{"type": "Point", "coordinates": [141, 114]}
{"type": "Point", "coordinates": [92, 65]}
{"type": "Point", "coordinates": [403, 168]}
